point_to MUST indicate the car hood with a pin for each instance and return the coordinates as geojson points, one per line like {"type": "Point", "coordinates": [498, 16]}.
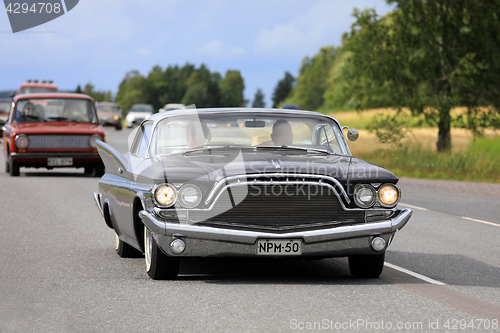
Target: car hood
{"type": "Point", "coordinates": [204, 167]}
{"type": "Point", "coordinates": [54, 127]}
{"type": "Point", "coordinates": [216, 166]}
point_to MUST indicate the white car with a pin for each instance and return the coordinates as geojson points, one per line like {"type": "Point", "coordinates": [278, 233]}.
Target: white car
{"type": "Point", "coordinates": [170, 107]}
{"type": "Point", "coordinates": [138, 113]}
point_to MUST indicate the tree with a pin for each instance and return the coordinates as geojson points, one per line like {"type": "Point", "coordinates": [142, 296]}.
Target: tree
{"type": "Point", "coordinates": [131, 90]}
{"type": "Point", "coordinates": [283, 89]}
{"type": "Point", "coordinates": [98, 96]}
{"type": "Point", "coordinates": [203, 88]}
{"type": "Point", "coordinates": [231, 89]}
{"type": "Point", "coordinates": [258, 100]}
{"type": "Point", "coordinates": [429, 56]}
{"type": "Point", "coordinates": [312, 81]}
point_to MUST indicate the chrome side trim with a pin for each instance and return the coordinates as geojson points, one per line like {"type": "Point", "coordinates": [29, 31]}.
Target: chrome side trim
{"type": "Point", "coordinates": [97, 198]}
{"type": "Point", "coordinates": [238, 178]}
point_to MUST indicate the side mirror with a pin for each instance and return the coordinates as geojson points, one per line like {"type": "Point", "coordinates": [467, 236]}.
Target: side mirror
{"type": "Point", "coordinates": [352, 134]}
{"type": "Point", "coordinates": [12, 94]}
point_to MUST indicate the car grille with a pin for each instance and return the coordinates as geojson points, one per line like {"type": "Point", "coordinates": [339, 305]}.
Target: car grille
{"type": "Point", "coordinates": [59, 141]}
{"type": "Point", "coordinates": [278, 208]}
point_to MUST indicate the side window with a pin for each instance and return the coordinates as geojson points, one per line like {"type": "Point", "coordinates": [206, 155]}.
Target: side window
{"type": "Point", "coordinates": [327, 137]}
{"type": "Point", "coordinates": [142, 139]}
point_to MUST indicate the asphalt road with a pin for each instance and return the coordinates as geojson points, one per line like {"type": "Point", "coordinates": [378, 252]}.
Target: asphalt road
{"type": "Point", "coordinates": [59, 271]}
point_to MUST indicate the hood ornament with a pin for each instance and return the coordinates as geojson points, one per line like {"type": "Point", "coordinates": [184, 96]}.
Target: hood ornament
{"type": "Point", "coordinates": [277, 165]}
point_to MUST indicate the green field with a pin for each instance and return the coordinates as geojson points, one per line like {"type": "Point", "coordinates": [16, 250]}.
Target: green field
{"type": "Point", "coordinates": [471, 159]}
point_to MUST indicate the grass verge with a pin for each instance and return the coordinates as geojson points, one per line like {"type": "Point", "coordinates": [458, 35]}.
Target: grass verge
{"type": "Point", "coordinates": [480, 162]}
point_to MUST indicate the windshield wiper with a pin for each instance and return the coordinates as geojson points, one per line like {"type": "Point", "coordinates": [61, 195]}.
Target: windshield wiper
{"type": "Point", "coordinates": [212, 147]}
{"type": "Point", "coordinates": [29, 116]}
{"type": "Point", "coordinates": [308, 150]}
{"type": "Point", "coordinates": [61, 119]}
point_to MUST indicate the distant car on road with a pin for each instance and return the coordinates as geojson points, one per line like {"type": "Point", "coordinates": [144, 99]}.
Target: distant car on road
{"type": "Point", "coordinates": [52, 130]}
{"type": "Point", "coordinates": [291, 106]}
{"type": "Point", "coordinates": [31, 87]}
{"type": "Point", "coordinates": [109, 114]}
{"type": "Point", "coordinates": [137, 113]}
{"type": "Point", "coordinates": [4, 111]}
{"type": "Point", "coordinates": [170, 107]}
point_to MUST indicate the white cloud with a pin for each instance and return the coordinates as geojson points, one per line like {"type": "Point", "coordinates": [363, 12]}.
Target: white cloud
{"type": "Point", "coordinates": [321, 25]}
{"type": "Point", "coordinates": [142, 52]}
{"type": "Point", "coordinates": [218, 49]}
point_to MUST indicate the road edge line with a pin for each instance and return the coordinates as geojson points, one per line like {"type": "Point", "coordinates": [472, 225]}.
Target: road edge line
{"type": "Point", "coordinates": [418, 276]}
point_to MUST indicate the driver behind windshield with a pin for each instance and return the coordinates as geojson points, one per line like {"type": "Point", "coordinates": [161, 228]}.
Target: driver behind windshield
{"type": "Point", "coordinates": [282, 133]}
{"type": "Point", "coordinates": [27, 113]}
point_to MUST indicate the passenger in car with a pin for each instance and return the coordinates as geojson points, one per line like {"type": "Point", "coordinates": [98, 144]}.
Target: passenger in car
{"type": "Point", "coordinates": [197, 134]}
{"type": "Point", "coordinates": [282, 133]}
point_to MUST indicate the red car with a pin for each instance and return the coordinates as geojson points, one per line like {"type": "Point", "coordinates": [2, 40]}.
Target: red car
{"type": "Point", "coordinates": [51, 130]}
{"type": "Point", "coordinates": [31, 87]}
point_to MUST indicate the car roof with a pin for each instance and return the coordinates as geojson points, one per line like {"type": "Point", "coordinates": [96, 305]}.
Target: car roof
{"type": "Point", "coordinates": [161, 115]}
{"type": "Point", "coordinates": [52, 95]}
{"type": "Point", "coordinates": [34, 84]}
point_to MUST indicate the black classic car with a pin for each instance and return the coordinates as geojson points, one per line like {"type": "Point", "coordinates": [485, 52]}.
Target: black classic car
{"type": "Point", "coordinates": [250, 183]}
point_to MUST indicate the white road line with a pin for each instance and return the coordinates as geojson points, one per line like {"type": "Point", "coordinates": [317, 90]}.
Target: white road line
{"type": "Point", "coordinates": [418, 276]}
{"type": "Point", "coordinates": [464, 217]}
{"type": "Point", "coordinates": [481, 221]}
{"type": "Point", "coordinates": [411, 206]}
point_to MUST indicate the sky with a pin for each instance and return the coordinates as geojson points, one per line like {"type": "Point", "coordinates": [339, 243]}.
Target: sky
{"type": "Point", "coordinates": [99, 41]}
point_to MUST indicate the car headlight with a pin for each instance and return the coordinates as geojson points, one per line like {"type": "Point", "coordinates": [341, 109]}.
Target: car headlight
{"type": "Point", "coordinates": [93, 138]}
{"type": "Point", "coordinates": [190, 196]}
{"type": "Point", "coordinates": [22, 141]}
{"type": "Point", "coordinates": [389, 195]}
{"type": "Point", "coordinates": [364, 196]}
{"type": "Point", "coordinates": [165, 195]}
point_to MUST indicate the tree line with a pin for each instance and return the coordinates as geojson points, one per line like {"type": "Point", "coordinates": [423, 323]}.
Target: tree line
{"type": "Point", "coordinates": [187, 85]}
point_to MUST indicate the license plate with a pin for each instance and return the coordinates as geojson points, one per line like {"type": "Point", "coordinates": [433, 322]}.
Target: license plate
{"type": "Point", "coordinates": [59, 161]}
{"type": "Point", "coordinates": [281, 247]}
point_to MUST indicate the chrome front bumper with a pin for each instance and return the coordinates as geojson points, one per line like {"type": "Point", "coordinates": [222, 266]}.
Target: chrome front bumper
{"type": "Point", "coordinates": [334, 242]}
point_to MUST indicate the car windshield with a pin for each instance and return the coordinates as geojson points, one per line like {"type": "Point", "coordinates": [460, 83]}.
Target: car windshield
{"type": "Point", "coordinates": [55, 109]}
{"type": "Point", "coordinates": [32, 90]}
{"type": "Point", "coordinates": [293, 133]}
{"type": "Point", "coordinates": [142, 108]}
{"type": "Point", "coordinates": [108, 108]}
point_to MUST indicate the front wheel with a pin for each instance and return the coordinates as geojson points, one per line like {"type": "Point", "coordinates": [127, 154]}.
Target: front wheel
{"type": "Point", "coordinates": [367, 266]}
{"type": "Point", "coordinates": [7, 166]}
{"type": "Point", "coordinates": [159, 266]}
{"type": "Point", "coordinates": [13, 168]}
{"type": "Point", "coordinates": [124, 250]}
{"type": "Point", "coordinates": [99, 170]}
